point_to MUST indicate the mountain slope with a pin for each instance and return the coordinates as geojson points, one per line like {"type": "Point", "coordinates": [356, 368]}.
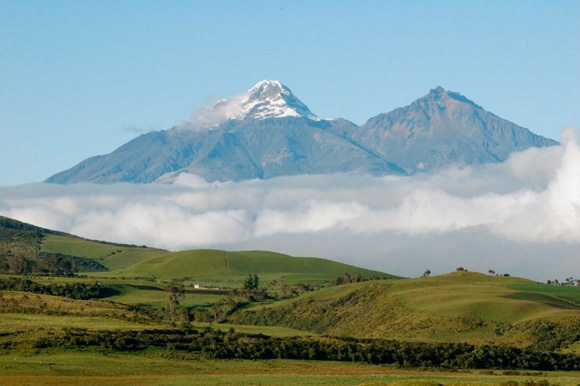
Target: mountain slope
{"type": "Point", "coordinates": [268, 132]}
{"type": "Point", "coordinates": [442, 129]}
{"type": "Point", "coordinates": [235, 150]}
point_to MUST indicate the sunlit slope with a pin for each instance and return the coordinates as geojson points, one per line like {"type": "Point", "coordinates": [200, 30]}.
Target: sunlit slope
{"type": "Point", "coordinates": [112, 256]}
{"type": "Point", "coordinates": [489, 298]}
{"type": "Point", "coordinates": [461, 306]}
{"type": "Point", "coordinates": [214, 264]}
{"type": "Point", "coordinates": [33, 242]}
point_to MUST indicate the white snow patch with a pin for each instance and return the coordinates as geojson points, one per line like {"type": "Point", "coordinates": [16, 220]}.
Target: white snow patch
{"type": "Point", "coordinates": [267, 99]}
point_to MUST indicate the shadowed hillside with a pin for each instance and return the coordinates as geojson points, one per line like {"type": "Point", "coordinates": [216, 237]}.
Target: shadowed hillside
{"type": "Point", "coordinates": [41, 250]}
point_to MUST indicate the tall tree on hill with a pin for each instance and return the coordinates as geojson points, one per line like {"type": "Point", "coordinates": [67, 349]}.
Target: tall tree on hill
{"type": "Point", "coordinates": [345, 278]}
{"type": "Point", "coordinates": [176, 293]}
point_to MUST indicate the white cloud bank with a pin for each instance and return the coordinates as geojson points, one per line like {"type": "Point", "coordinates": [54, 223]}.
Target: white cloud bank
{"type": "Point", "coordinates": [522, 215]}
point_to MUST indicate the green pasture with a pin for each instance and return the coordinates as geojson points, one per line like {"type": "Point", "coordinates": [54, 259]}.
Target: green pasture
{"type": "Point", "coordinates": [111, 256]}
{"type": "Point", "coordinates": [231, 267]}
{"type": "Point", "coordinates": [485, 297]}
{"type": "Point", "coordinates": [568, 293]}
{"type": "Point", "coordinates": [160, 368]}
{"type": "Point", "coordinates": [32, 322]}
{"type": "Point", "coordinates": [128, 294]}
{"type": "Point", "coordinates": [324, 294]}
{"type": "Point", "coordinates": [457, 307]}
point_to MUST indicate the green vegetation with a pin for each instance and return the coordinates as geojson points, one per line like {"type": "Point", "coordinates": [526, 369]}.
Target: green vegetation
{"type": "Point", "coordinates": [25, 249]}
{"type": "Point", "coordinates": [457, 307]}
{"type": "Point", "coordinates": [72, 291]}
{"type": "Point", "coordinates": [135, 316]}
{"type": "Point", "coordinates": [210, 344]}
{"type": "Point", "coordinates": [229, 268]}
{"type": "Point", "coordinates": [90, 369]}
{"type": "Point", "coordinates": [111, 256]}
{"type": "Point", "coordinates": [568, 293]}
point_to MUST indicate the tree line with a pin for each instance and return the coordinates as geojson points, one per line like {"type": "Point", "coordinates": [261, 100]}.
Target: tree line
{"type": "Point", "coordinates": [54, 264]}
{"type": "Point", "coordinates": [80, 291]}
{"type": "Point", "coordinates": [212, 344]}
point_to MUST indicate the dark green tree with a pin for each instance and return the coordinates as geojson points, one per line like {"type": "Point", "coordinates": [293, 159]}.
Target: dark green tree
{"type": "Point", "coordinates": [175, 294]}
{"type": "Point", "coordinates": [251, 282]}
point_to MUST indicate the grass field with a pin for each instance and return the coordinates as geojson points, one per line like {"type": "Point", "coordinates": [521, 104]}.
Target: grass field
{"type": "Point", "coordinates": [569, 293]}
{"type": "Point", "coordinates": [31, 322]}
{"type": "Point", "coordinates": [230, 268]}
{"type": "Point", "coordinates": [133, 295]}
{"type": "Point", "coordinates": [96, 369]}
{"type": "Point", "coordinates": [111, 256]}
{"type": "Point", "coordinates": [489, 298]}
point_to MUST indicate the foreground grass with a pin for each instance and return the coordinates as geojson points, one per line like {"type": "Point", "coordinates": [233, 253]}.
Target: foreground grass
{"type": "Point", "coordinates": [114, 369]}
{"type": "Point", "coordinates": [31, 322]}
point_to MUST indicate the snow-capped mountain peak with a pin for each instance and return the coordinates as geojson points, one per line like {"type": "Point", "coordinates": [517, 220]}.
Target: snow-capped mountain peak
{"type": "Point", "coordinates": [271, 99]}
{"type": "Point", "coordinates": [267, 99]}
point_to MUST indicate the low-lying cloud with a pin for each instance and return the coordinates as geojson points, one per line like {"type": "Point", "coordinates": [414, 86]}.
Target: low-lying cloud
{"type": "Point", "coordinates": [521, 216]}
{"type": "Point", "coordinates": [212, 113]}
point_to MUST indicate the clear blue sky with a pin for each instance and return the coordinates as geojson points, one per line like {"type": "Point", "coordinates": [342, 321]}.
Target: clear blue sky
{"type": "Point", "coordinates": [80, 78]}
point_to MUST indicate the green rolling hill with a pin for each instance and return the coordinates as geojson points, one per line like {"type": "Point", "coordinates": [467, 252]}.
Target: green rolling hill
{"type": "Point", "coordinates": [456, 307]}
{"type": "Point", "coordinates": [35, 243]}
{"type": "Point", "coordinates": [217, 265]}
{"type": "Point", "coordinates": [211, 266]}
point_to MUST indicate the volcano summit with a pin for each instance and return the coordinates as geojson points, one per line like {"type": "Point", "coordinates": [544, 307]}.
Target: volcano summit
{"type": "Point", "coordinates": [268, 132]}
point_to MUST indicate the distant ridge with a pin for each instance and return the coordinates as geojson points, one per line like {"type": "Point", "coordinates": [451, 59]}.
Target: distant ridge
{"type": "Point", "coordinates": [268, 132]}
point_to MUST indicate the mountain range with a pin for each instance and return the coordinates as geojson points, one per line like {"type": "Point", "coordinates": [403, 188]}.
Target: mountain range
{"type": "Point", "coordinates": [268, 132]}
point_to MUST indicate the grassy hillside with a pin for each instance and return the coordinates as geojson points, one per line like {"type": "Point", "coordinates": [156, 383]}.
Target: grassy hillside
{"type": "Point", "coordinates": [461, 306]}
{"type": "Point", "coordinates": [230, 267]}
{"type": "Point", "coordinates": [36, 243]}
{"type": "Point", "coordinates": [112, 256]}
{"type": "Point", "coordinates": [488, 298]}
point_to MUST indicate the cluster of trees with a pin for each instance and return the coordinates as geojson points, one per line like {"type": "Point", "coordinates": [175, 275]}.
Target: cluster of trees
{"type": "Point", "coordinates": [54, 264]}
{"type": "Point", "coordinates": [569, 281]}
{"type": "Point", "coordinates": [550, 335]}
{"type": "Point", "coordinates": [213, 344]}
{"type": "Point", "coordinates": [347, 279]}
{"type": "Point", "coordinates": [20, 265]}
{"type": "Point", "coordinates": [251, 282]}
{"type": "Point", "coordinates": [79, 291]}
